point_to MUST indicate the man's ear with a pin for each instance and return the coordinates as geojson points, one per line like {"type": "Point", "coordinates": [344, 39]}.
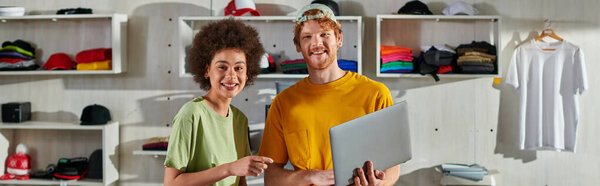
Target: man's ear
{"type": "Point", "coordinates": [340, 39]}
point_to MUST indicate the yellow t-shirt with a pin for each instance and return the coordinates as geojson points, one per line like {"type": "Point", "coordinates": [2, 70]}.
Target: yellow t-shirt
{"type": "Point", "coordinates": [299, 119]}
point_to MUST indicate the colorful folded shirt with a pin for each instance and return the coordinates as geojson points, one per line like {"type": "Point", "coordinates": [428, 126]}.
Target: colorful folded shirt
{"type": "Point", "coordinates": [293, 61]}
{"type": "Point", "coordinates": [11, 60]}
{"type": "Point", "coordinates": [386, 59]}
{"type": "Point", "coordinates": [22, 65]}
{"type": "Point", "coordinates": [398, 71]}
{"type": "Point", "coordinates": [396, 68]}
{"type": "Point", "coordinates": [293, 65]}
{"type": "Point", "coordinates": [297, 71]}
{"type": "Point", "coordinates": [476, 69]}
{"type": "Point", "coordinates": [16, 49]}
{"type": "Point", "coordinates": [398, 64]}
{"type": "Point", "coordinates": [480, 54]}
{"type": "Point", "coordinates": [100, 65]}
{"type": "Point", "coordinates": [13, 54]}
{"type": "Point", "coordinates": [156, 146]}
{"type": "Point", "coordinates": [393, 49]}
{"type": "Point", "coordinates": [475, 63]}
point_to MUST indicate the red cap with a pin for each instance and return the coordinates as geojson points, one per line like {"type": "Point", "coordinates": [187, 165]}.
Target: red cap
{"type": "Point", "coordinates": [59, 61]}
{"type": "Point", "coordinates": [241, 7]}
{"type": "Point", "coordinates": [94, 55]}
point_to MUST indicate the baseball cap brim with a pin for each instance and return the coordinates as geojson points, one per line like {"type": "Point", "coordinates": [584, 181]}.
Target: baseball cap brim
{"type": "Point", "coordinates": [246, 10]}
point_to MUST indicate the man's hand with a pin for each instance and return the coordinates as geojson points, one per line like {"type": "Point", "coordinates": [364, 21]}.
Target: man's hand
{"type": "Point", "coordinates": [324, 177]}
{"type": "Point", "coordinates": [367, 176]}
{"type": "Point", "coordinates": [249, 166]}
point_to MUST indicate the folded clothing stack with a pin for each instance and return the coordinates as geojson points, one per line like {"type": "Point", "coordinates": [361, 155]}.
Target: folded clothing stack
{"type": "Point", "coordinates": [476, 58]}
{"type": "Point", "coordinates": [297, 66]}
{"type": "Point", "coordinates": [441, 56]}
{"type": "Point", "coordinates": [17, 55]}
{"type": "Point", "coordinates": [396, 59]}
{"type": "Point", "coordinates": [348, 65]}
{"type": "Point", "coordinates": [473, 172]}
{"type": "Point", "coordinates": [94, 59]}
{"type": "Point", "coordinates": [156, 143]}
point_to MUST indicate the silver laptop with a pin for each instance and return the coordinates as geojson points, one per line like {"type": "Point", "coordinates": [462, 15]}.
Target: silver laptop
{"type": "Point", "coordinates": [382, 137]}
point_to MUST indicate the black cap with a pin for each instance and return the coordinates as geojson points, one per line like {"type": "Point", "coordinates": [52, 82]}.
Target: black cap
{"type": "Point", "coordinates": [331, 4]}
{"type": "Point", "coordinates": [78, 10]}
{"type": "Point", "coordinates": [415, 7]}
{"type": "Point", "coordinates": [95, 165]}
{"type": "Point", "coordinates": [95, 115]}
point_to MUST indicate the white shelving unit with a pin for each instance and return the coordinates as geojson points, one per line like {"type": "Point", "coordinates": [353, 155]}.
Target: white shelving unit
{"type": "Point", "coordinates": [276, 34]}
{"type": "Point", "coordinates": [13, 133]}
{"type": "Point", "coordinates": [69, 34]}
{"type": "Point", "coordinates": [251, 128]}
{"type": "Point", "coordinates": [153, 153]}
{"type": "Point", "coordinates": [413, 31]}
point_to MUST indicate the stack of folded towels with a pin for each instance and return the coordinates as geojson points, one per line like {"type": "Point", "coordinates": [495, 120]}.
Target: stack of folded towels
{"type": "Point", "coordinates": [396, 59]}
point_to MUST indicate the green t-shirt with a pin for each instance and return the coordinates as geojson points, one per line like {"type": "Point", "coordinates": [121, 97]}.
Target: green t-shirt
{"type": "Point", "coordinates": [202, 139]}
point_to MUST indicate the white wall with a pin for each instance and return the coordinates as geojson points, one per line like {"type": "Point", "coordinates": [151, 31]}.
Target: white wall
{"type": "Point", "coordinates": [475, 119]}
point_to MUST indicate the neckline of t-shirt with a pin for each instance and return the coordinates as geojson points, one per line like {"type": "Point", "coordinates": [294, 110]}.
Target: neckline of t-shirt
{"type": "Point", "coordinates": [332, 84]}
{"type": "Point", "coordinates": [560, 45]}
{"type": "Point", "coordinates": [213, 112]}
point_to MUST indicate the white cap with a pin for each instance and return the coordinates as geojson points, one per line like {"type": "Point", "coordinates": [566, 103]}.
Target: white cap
{"type": "Point", "coordinates": [460, 7]}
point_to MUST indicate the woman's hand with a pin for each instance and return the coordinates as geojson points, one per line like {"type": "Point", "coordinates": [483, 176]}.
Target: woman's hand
{"type": "Point", "coordinates": [249, 166]}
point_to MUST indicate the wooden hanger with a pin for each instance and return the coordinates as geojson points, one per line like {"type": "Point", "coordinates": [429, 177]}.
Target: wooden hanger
{"type": "Point", "coordinates": [548, 32]}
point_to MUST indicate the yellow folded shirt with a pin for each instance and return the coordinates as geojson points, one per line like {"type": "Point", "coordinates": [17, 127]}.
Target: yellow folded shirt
{"type": "Point", "coordinates": [99, 65]}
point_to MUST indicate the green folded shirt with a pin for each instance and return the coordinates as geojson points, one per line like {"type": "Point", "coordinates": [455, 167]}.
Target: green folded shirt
{"type": "Point", "coordinates": [16, 49]}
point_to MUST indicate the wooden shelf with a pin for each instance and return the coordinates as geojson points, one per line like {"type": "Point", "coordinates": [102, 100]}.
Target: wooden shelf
{"type": "Point", "coordinates": [154, 153]}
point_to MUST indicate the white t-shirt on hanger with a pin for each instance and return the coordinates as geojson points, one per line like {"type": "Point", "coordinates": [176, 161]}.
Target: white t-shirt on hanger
{"type": "Point", "coordinates": [547, 82]}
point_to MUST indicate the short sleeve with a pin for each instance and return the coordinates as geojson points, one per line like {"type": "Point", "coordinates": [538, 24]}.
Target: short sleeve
{"type": "Point", "coordinates": [178, 151]}
{"type": "Point", "coordinates": [384, 99]}
{"type": "Point", "coordinates": [512, 76]}
{"type": "Point", "coordinates": [246, 137]}
{"type": "Point", "coordinates": [581, 75]}
{"type": "Point", "coordinates": [272, 143]}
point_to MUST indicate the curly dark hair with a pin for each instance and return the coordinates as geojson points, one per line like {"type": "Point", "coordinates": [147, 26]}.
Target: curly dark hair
{"type": "Point", "coordinates": [219, 35]}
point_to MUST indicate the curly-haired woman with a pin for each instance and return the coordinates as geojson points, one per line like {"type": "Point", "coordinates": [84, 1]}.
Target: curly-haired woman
{"type": "Point", "coordinates": [209, 139]}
